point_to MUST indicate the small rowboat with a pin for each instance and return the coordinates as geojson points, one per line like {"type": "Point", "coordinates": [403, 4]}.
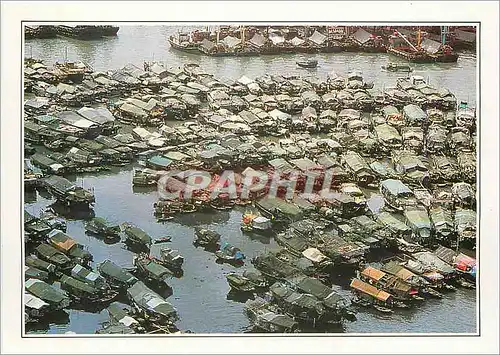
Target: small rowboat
{"type": "Point", "coordinates": [394, 67]}
{"type": "Point", "coordinates": [309, 63]}
{"type": "Point", "coordinates": [165, 239]}
{"type": "Point", "coordinates": [382, 309]}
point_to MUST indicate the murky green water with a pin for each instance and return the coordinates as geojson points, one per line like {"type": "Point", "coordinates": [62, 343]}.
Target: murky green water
{"type": "Point", "coordinates": [200, 296]}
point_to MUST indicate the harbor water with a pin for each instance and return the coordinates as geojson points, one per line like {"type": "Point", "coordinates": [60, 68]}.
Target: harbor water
{"type": "Point", "coordinates": [201, 294]}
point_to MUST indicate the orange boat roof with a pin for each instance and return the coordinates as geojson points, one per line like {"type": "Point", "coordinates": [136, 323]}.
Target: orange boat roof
{"type": "Point", "coordinates": [373, 273]}
{"type": "Point", "coordinates": [370, 290]}
{"type": "Point", "coordinates": [405, 274]}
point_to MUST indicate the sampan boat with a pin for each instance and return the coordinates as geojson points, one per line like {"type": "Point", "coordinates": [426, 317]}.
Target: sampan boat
{"type": "Point", "coordinates": [309, 63]}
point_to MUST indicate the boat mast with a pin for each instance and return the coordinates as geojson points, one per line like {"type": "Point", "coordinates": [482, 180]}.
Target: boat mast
{"type": "Point", "coordinates": [406, 40]}
{"type": "Point", "coordinates": [444, 32]}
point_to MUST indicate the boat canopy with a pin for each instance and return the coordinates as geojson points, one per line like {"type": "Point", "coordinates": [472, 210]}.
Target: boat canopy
{"type": "Point", "coordinates": [74, 119]}
{"type": "Point", "coordinates": [279, 320]}
{"type": "Point", "coordinates": [79, 272]}
{"type": "Point", "coordinates": [317, 38]}
{"type": "Point", "coordinates": [361, 36]}
{"type": "Point", "coordinates": [44, 291]}
{"type": "Point", "coordinates": [119, 313]}
{"type": "Point", "coordinates": [207, 45]}
{"type": "Point", "coordinates": [373, 274]}
{"type": "Point", "coordinates": [396, 187]}
{"type": "Point", "coordinates": [414, 113]}
{"type": "Point", "coordinates": [387, 219]}
{"type": "Point", "coordinates": [296, 41]}
{"type": "Point", "coordinates": [77, 285]}
{"type": "Point", "coordinates": [311, 285]}
{"type": "Point", "coordinates": [150, 301]}
{"type": "Point", "coordinates": [137, 234]}
{"type": "Point", "coordinates": [258, 40]}
{"type": "Point", "coordinates": [33, 302]}
{"type": "Point", "coordinates": [355, 162]}
{"type": "Point", "coordinates": [387, 132]}
{"type": "Point", "coordinates": [156, 269]}
{"type": "Point", "coordinates": [430, 45]}
{"type": "Point", "coordinates": [276, 38]}
{"type": "Point", "coordinates": [404, 274]}
{"type": "Point", "coordinates": [418, 218]}
{"type": "Point", "coordinates": [314, 255]}
{"type": "Point", "coordinates": [429, 260]}
{"type": "Point", "coordinates": [61, 240]}
{"type": "Point", "coordinates": [110, 269]}
{"type": "Point", "coordinates": [231, 41]}
{"type": "Point", "coordinates": [370, 290]}
{"type": "Point", "coordinates": [305, 164]}
{"type": "Point", "coordinates": [98, 115]}
{"type": "Point", "coordinates": [446, 254]}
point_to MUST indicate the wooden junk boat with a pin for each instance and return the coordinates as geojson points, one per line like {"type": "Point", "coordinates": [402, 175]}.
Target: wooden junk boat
{"type": "Point", "coordinates": [206, 237]}
{"type": "Point", "coordinates": [251, 280]}
{"type": "Point", "coordinates": [367, 295]}
{"type": "Point", "coordinates": [73, 71]}
{"type": "Point", "coordinates": [395, 268]}
{"type": "Point", "coordinates": [145, 177]}
{"type": "Point", "coordinates": [230, 254]}
{"type": "Point", "coordinates": [402, 292]}
{"type": "Point", "coordinates": [464, 265]}
{"type": "Point", "coordinates": [117, 277]}
{"type": "Point", "coordinates": [102, 227]}
{"type": "Point", "coordinates": [171, 258]}
{"type": "Point", "coordinates": [35, 308]}
{"type": "Point", "coordinates": [183, 42]}
{"type": "Point", "coordinates": [255, 223]}
{"type": "Point", "coordinates": [304, 307]}
{"type": "Point", "coordinates": [87, 32]}
{"type": "Point", "coordinates": [136, 237]}
{"type": "Point", "coordinates": [240, 283]}
{"type": "Point", "coordinates": [67, 192]}
{"type": "Point", "coordinates": [152, 270]}
{"type": "Point", "coordinates": [83, 292]}
{"type": "Point", "coordinates": [56, 299]}
{"type": "Point", "coordinates": [155, 307]}
{"type": "Point", "coordinates": [265, 318]}
{"type": "Point", "coordinates": [67, 245]}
